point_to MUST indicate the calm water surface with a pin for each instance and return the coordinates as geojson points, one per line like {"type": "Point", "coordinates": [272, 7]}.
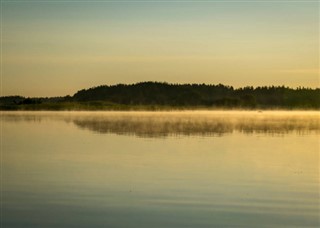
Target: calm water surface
{"type": "Point", "coordinates": [163, 169]}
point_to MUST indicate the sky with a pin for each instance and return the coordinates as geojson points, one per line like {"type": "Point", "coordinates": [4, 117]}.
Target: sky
{"type": "Point", "coordinates": [55, 48]}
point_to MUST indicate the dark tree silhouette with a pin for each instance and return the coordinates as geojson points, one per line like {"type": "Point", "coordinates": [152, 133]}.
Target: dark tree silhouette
{"type": "Point", "coordinates": [181, 95]}
{"type": "Point", "coordinates": [156, 93]}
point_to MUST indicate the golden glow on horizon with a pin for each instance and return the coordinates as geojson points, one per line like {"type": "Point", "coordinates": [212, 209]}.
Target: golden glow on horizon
{"type": "Point", "coordinates": [57, 49]}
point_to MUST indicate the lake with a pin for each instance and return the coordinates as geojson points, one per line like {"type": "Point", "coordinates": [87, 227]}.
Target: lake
{"type": "Point", "coordinates": [160, 169]}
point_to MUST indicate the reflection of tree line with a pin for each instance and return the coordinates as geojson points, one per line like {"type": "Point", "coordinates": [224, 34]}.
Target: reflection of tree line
{"type": "Point", "coordinates": [153, 127]}
{"type": "Point", "coordinates": [21, 118]}
{"type": "Point", "coordinates": [153, 124]}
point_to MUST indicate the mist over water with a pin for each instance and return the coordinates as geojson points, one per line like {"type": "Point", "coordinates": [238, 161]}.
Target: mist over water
{"type": "Point", "coordinates": [160, 169]}
{"type": "Point", "coordinates": [199, 123]}
{"type": "Point", "coordinates": [154, 124]}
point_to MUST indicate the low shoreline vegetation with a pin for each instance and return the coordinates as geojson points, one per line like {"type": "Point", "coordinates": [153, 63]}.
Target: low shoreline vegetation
{"type": "Point", "coordinates": [164, 96]}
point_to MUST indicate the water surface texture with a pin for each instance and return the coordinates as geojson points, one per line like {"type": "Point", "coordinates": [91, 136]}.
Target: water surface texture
{"type": "Point", "coordinates": [160, 169]}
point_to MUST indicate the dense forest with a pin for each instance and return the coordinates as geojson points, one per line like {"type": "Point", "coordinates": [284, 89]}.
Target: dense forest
{"type": "Point", "coordinates": [156, 94]}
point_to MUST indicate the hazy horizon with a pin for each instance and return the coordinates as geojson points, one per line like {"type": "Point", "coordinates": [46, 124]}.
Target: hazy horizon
{"type": "Point", "coordinates": [56, 48]}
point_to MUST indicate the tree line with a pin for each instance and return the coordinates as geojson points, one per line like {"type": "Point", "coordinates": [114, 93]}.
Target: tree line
{"type": "Point", "coordinates": [184, 95]}
{"type": "Point", "coordinates": [156, 93]}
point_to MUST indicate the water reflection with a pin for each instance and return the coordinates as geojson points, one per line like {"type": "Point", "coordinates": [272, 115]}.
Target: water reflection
{"type": "Point", "coordinates": [55, 174]}
{"type": "Point", "coordinates": [218, 126]}
{"type": "Point", "coordinates": [157, 124]}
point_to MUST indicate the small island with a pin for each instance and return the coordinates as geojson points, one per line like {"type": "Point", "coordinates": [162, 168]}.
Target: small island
{"type": "Point", "coordinates": [165, 96]}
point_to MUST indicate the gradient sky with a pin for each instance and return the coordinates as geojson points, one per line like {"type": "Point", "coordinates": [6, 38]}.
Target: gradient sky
{"type": "Point", "coordinates": [53, 48]}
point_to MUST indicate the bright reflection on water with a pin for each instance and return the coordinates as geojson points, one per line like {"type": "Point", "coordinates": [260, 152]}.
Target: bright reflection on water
{"type": "Point", "coordinates": [163, 169]}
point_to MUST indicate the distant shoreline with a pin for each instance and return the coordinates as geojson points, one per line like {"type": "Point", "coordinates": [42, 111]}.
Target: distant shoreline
{"type": "Point", "coordinates": [155, 96]}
